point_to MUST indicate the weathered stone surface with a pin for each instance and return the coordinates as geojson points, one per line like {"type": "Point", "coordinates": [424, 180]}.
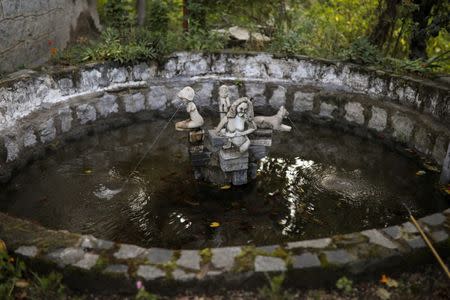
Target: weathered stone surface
{"type": "Point", "coordinates": [256, 91]}
{"type": "Point", "coordinates": [393, 231]}
{"type": "Point", "coordinates": [156, 98]}
{"type": "Point", "coordinates": [195, 64]}
{"type": "Point", "coordinates": [107, 105]}
{"type": "Point", "coordinates": [354, 112]}
{"type": "Point", "coordinates": [65, 116]}
{"type": "Point", "coordinates": [189, 259]}
{"type": "Point", "coordinates": [116, 269]}
{"type": "Point", "coordinates": [403, 128]}
{"type": "Point", "coordinates": [86, 113]}
{"type": "Point", "coordinates": [30, 29]}
{"type": "Point", "coordinates": [129, 251]}
{"type": "Point", "coordinates": [318, 243]}
{"type": "Point", "coordinates": [378, 121]}
{"type": "Point", "coordinates": [134, 103]}
{"type": "Point", "coordinates": [87, 262]}
{"type": "Point", "coordinates": [239, 177]}
{"type": "Point", "coordinates": [12, 149]}
{"type": "Point", "coordinates": [159, 255]}
{"type": "Point", "coordinates": [66, 86]}
{"type": "Point", "coordinates": [203, 96]}
{"type": "Point", "coordinates": [376, 237]}
{"type": "Point", "coordinates": [306, 260]}
{"type": "Point", "coordinates": [268, 249]}
{"type": "Point", "coordinates": [434, 219]}
{"type": "Point", "coordinates": [440, 149]}
{"type": "Point", "coordinates": [278, 97]}
{"type": "Point", "coordinates": [91, 80]}
{"type": "Point", "coordinates": [91, 242]}
{"type": "Point", "coordinates": [423, 141]}
{"type": "Point", "coordinates": [47, 131]}
{"type": "Point", "coordinates": [416, 242]}
{"type": "Point", "coordinates": [239, 33]}
{"type": "Point", "coordinates": [181, 275]}
{"type": "Point", "coordinates": [303, 101]}
{"type": "Point", "coordinates": [117, 75]}
{"type": "Point", "coordinates": [142, 72]}
{"type": "Point", "coordinates": [439, 236]}
{"type": "Point", "coordinates": [269, 264]}
{"type": "Point", "coordinates": [326, 110]}
{"type": "Point", "coordinates": [28, 251]}
{"type": "Point", "coordinates": [445, 174]}
{"type": "Point", "coordinates": [338, 257]}
{"type": "Point", "coordinates": [230, 163]}
{"type": "Point", "coordinates": [66, 256]}
{"type": "Point", "coordinates": [150, 272]}
{"type": "Point", "coordinates": [29, 138]}
{"type": "Point", "coordinates": [409, 227]}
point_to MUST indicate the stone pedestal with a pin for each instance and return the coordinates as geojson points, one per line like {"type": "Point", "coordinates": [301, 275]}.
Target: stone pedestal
{"type": "Point", "coordinates": [261, 137]}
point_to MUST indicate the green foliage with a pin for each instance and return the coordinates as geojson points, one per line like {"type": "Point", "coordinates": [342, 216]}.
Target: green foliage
{"type": "Point", "coordinates": [201, 39]}
{"type": "Point", "coordinates": [123, 47]}
{"type": "Point", "coordinates": [345, 284]}
{"type": "Point", "coordinates": [47, 287]}
{"type": "Point", "coordinates": [157, 17]}
{"type": "Point", "coordinates": [275, 291]}
{"type": "Point", "coordinates": [10, 268]}
{"type": "Point", "coordinates": [362, 51]}
{"type": "Point", "coordinates": [119, 13]}
{"type": "Point", "coordinates": [144, 295]}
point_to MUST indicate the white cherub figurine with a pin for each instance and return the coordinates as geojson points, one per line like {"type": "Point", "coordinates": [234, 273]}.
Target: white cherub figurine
{"type": "Point", "coordinates": [195, 119]}
{"type": "Point", "coordinates": [224, 100]}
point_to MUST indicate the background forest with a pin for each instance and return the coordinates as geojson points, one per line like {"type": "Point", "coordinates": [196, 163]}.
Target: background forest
{"type": "Point", "coordinates": [406, 36]}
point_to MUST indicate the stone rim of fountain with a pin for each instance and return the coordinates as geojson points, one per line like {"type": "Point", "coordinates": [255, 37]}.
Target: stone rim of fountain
{"type": "Point", "coordinates": [60, 106]}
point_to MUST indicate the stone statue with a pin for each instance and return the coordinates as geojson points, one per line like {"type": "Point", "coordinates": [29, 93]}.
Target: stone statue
{"type": "Point", "coordinates": [195, 119]}
{"type": "Point", "coordinates": [273, 122]}
{"type": "Point", "coordinates": [224, 100]}
{"type": "Point", "coordinates": [233, 125]}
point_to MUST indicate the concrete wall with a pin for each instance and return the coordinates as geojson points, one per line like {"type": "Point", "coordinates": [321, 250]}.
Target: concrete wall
{"type": "Point", "coordinates": [27, 26]}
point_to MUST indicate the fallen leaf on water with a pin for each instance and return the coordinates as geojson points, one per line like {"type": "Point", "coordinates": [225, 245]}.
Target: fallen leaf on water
{"type": "Point", "coordinates": [384, 279]}
{"type": "Point", "coordinates": [192, 203]}
{"type": "Point", "coordinates": [383, 294]}
{"type": "Point", "coordinates": [88, 171]}
{"type": "Point", "coordinates": [22, 283]}
{"type": "Point", "coordinates": [225, 187]}
{"type": "Point", "coordinates": [214, 224]}
{"type": "Point", "coordinates": [3, 246]}
{"type": "Point", "coordinates": [274, 193]}
{"type": "Point", "coordinates": [420, 173]}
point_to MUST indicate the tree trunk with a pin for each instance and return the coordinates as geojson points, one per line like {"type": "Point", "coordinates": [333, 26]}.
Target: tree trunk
{"type": "Point", "coordinates": [140, 9]}
{"type": "Point", "coordinates": [420, 34]}
{"type": "Point", "coordinates": [385, 23]}
{"type": "Point", "coordinates": [185, 15]}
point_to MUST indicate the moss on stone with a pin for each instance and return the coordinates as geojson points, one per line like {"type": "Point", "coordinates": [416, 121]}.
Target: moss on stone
{"type": "Point", "coordinates": [245, 260]}
{"type": "Point", "coordinates": [206, 255]}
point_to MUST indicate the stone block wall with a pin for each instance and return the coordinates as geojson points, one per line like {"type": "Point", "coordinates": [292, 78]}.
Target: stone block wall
{"type": "Point", "coordinates": [30, 28]}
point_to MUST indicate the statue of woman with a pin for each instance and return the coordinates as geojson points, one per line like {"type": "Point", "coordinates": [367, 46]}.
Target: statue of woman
{"type": "Point", "coordinates": [195, 119]}
{"type": "Point", "coordinates": [233, 125]}
{"type": "Point", "coordinates": [224, 100]}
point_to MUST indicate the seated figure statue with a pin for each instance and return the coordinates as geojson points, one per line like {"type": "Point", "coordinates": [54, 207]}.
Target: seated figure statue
{"type": "Point", "coordinates": [195, 119]}
{"type": "Point", "coordinates": [237, 124]}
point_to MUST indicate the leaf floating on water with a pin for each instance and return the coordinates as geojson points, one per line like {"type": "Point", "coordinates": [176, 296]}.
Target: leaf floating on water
{"type": "Point", "coordinates": [192, 202]}
{"type": "Point", "coordinates": [88, 171]}
{"type": "Point", "coordinates": [214, 224]}
{"type": "Point", "coordinates": [225, 187]}
{"type": "Point", "coordinates": [389, 281]}
{"type": "Point", "coordinates": [431, 167]}
{"type": "Point", "coordinates": [384, 279]}
{"type": "Point", "coordinates": [3, 246]}
{"type": "Point", "coordinates": [420, 173]}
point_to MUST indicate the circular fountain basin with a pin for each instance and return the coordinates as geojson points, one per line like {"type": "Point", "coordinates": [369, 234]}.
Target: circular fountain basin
{"type": "Point", "coordinates": [327, 200]}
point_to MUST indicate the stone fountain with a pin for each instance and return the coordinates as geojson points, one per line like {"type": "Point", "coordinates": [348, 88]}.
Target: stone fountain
{"type": "Point", "coordinates": [229, 153]}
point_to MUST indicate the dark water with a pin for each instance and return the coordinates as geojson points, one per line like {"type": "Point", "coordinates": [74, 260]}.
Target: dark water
{"type": "Point", "coordinates": [316, 182]}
